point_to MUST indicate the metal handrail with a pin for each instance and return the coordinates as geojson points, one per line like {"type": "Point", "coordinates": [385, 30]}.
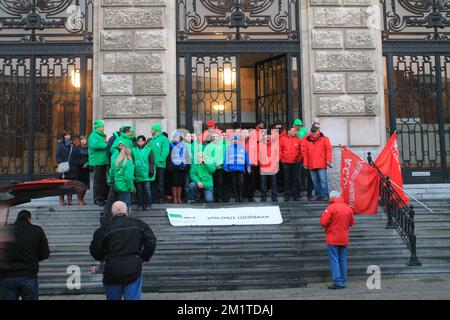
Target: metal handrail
{"type": "Point", "coordinates": [400, 216]}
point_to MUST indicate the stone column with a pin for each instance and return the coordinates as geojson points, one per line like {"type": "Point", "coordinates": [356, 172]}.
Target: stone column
{"type": "Point", "coordinates": [343, 71]}
{"type": "Point", "coordinates": [134, 54]}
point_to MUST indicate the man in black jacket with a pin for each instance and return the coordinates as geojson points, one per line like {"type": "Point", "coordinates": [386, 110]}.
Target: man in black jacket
{"type": "Point", "coordinates": [29, 247]}
{"type": "Point", "coordinates": [124, 244]}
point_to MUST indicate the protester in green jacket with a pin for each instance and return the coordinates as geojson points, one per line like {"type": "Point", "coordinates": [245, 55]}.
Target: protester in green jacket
{"type": "Point", "coordinates": [144, 172]}
{"type": "Point", "coordinates": [301, 131]}
{"type": "Point", "coordinates": [194, 148]}
{"type": "Point", "coordinates": [214, 154]}
{"type": "Point", "coordinates": [201, 175]}
{"type": "Point", "coordinates": [123, 176]}
{"type": "Point", "coordinates": [161, 148]}
{"type": "Point", "coordinates": [124, 140]}
{"type": "Point", "coordinates": [99, 160]}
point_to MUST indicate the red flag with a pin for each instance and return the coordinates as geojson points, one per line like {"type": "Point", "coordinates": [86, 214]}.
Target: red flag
{"type": "Point", "coordinates": [359, 183]}
{"type": "Point", "coordinates": [389, 164]}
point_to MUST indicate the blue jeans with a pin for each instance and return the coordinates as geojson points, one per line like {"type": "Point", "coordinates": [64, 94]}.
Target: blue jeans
{"type": "Point", "coordinates": [320, 182]}
{"type": "Point", "coordinates": [15, 287]}
{"type": "Point", "coordinates": [338, 264]}
{"type": "Point", "coordinates": [143, 194]}
{"type": "Point", "coordinates": [125, 197]}
{"type": "Point", "coordinates": [194, 193]}
{"type": "Point", "coordinates": [131, 291]}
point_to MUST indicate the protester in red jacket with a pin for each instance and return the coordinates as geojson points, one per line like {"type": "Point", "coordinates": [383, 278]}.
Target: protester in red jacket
{"type": "Point", "coordinates": [268, 161]}
{"type": "Point", "coordinates": [317, 156]}
{"type": "Point", "coordinates": [337, 219]}
{"type": "Point", "coordinates": [291, 156]}
{"type": "Point", "coordinates": [208, 133]}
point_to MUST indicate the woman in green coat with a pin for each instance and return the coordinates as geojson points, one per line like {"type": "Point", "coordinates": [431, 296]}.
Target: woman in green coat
{"type": "Point", "coordinates": [144, 172]}
{"type": "Point", "coordinates": [123, 176]}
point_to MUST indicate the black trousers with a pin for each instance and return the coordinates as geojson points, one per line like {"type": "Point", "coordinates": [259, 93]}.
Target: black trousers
{"type": "Point", "coordinates": [237, 185]}
{"type": "Point", "coordinates": [158, 186]}
{"type": "Point", "coordinates": [100, 183]}
{"type": "Point", "coordinates": [291, 180]}
{"type": "Point", "coordinates": [251, 182]}
{"type": "Point", "coordinates": [309, 184]}
{"type": "Point", "coordinates": [264, 185]}
{"type": "Point", "coordinates": [218, 185]}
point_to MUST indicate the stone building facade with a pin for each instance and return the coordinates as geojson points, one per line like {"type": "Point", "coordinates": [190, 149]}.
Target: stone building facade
{"type": "Point", "coordinates": [341, 56]}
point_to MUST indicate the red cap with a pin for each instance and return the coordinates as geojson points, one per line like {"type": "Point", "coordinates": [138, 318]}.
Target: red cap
{"type": "Point", "coordinates": [211, 123]}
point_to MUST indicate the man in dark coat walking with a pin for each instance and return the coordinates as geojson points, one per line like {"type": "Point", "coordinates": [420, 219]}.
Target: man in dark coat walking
{"type": "Point", "coordinates": [124, 244]}
{"type": "Point", "coordinates": [29, 246]}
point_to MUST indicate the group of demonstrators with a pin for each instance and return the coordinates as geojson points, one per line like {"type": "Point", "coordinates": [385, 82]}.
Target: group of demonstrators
{"type": "Point", "coordinates": [215, 166]}
{"type": "Point", "coordinates": [191, 168]}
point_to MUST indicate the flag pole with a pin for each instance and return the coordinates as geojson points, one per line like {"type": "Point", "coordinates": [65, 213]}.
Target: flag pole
{"type": "Point", "coordinates": [409, 194]}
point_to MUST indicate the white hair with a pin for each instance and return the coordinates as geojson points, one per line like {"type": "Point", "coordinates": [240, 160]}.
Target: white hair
{"type": "Point", "coordinates": [119, 208]}
{"type": "Point", "coordinates": [334, 194]}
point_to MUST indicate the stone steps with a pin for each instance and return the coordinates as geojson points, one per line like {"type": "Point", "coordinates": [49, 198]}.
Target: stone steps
{"type": "Point", "coordinates": [241, 257]}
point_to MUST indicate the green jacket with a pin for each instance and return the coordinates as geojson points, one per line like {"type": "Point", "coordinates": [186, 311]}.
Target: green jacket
{"type": "Point", "coordinates": [97, 149]}
{"type": "Point", "coordinates": [114, 157]}
{"type": "Point", "coordinates": [124, 139]}
{"type": "Point", "coordinates": [142, 164]}
{"type": "Point", "coordinates": [302, 132]}
{"type": "Point", "coordinates": [194, 149]}
{"type": "Point", "coordinates": [203, 173]}
{"type": "Point", "coordinates": [215, 153]}
{"type": "Point", "coordinates": [124, 176]}
{"type": "Point", "coordinates": [161, 149]}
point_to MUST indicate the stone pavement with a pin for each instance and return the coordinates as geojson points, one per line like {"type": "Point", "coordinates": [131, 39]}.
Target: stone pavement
{"type": "Point", "coordinates": [432, 288]}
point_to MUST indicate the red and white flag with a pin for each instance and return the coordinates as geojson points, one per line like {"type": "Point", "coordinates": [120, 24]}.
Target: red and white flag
{"type": "Point", "coordinates": [388, 162]}
{"type": "Point", "coordinates": [359, 183]}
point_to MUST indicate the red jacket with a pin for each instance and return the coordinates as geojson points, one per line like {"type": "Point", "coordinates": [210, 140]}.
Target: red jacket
{"type": "Point", "coordinates": [268, 161]}
{"type": "Point", "coordinates": [290, 149]}
{"type": "Point", "coordinates": [317, 153]}
{"type": "Point", "coordinates": [209, 132]}
{"type": "Point", "coordinates": [337, 220]}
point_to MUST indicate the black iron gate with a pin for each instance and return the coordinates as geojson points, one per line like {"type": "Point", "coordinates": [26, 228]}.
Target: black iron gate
{"type": "Point", "coordinates": [45, 82]}
{"type": "Point", "coordinates": [416, 47]}
{"type": "Point", "coordinates": [231, 55]}
{"type": "Point", "coordinates": [272, 90]}
{"type": "Point", "coordinates": [216, 87]}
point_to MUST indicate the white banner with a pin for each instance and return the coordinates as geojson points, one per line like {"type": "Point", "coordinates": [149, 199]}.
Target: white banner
{"type": "Point", "coordinates": [181, 217]}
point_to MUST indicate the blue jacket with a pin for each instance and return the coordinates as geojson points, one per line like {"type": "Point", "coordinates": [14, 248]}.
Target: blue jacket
{"type": "Point", "coordinates": [179, 156]}
{"type": "Point", "coordinates": [236, 158]}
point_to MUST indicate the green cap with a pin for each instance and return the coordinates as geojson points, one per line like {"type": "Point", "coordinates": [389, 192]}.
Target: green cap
{"type": "Point", "coordinates": [297, 122]}
{"type": "Point", "coordinates": [99, 123]}
{"type": "Point", "coordinates": [156, 127]}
